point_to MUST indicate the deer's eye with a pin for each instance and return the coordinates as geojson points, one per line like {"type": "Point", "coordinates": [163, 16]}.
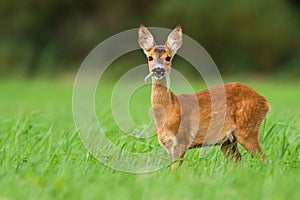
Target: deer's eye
{"type": "Point", "coordinates": [150, 58]}
{"type": "Point", "coordinates": [168, 58]}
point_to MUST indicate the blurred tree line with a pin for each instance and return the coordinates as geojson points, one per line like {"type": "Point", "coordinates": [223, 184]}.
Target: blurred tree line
{"type": "Point", "coordinates": [54, 36]}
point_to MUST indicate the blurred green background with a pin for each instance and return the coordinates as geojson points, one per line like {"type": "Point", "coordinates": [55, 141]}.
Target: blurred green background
{"type": "Point", "coordinates": [44, 42]}
{"type": "Point", "coordinates": [51, 38]}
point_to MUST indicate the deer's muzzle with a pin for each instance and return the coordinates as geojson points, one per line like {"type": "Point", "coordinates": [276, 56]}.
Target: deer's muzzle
{"type": "Point", "coordinates": [159, 72]}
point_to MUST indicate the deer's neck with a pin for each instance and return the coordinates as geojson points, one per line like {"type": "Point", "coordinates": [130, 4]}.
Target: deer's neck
{"type": "Point", "coordinates": [164, 104]}
{"type": "Point", "coordinates": [160, 94]}
{"type": "Point", "coordinates": [161, 99]}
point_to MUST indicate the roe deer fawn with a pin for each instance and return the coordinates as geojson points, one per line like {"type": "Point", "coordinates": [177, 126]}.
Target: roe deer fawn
{"type": "Point", "coordinates": [175, 116]}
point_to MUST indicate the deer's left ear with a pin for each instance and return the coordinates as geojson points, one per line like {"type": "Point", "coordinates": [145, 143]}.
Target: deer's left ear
{"type": "Point", "coordinates": [174, 40]}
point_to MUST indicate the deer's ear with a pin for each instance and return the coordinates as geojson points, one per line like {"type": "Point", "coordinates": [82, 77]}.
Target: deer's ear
{"type": "Point", "coordinates": [174, 40]}
{"type": "Point", "coordinates": [146, 40]}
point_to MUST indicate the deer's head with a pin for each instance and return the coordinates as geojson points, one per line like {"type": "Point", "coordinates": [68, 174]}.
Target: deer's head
{"type": "Point", "coordinates": [160, 56]}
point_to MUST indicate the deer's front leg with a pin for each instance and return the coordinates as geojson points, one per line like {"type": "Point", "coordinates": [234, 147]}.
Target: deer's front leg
{"type": "Point", "coordinates": [175, 149]}
{"type": "Point", "coordinates": [178, 152]}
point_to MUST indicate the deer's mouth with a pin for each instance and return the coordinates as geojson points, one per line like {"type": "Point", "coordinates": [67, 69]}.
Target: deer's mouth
{"type": "Point", "coordinates": [158, 73]}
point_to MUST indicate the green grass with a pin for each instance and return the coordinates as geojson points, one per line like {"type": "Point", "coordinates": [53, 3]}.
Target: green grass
{"type": "Point", "coordinates": [42, 156]}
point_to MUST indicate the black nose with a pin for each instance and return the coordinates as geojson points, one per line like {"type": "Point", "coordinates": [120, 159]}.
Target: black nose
{"type": "Point", "coordinates": [159, 71]}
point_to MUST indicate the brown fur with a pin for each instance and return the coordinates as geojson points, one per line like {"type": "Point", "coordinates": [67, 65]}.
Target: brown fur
{"type": "Point", "coordinates": [188, 121]}
{"type": "Point", "coordinates": [245, 110]}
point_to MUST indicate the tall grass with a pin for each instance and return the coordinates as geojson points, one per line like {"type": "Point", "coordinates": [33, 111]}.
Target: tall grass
{"type": "Point", "coordinates": [42, 157]}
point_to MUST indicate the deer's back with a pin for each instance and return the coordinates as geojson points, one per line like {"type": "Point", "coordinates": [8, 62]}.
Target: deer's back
{"type": "Point", "coordinates": [243, 106]}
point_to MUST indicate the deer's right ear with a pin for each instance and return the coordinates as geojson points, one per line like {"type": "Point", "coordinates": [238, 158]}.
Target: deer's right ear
{"type": "Point", "coordinates": [146, 40]}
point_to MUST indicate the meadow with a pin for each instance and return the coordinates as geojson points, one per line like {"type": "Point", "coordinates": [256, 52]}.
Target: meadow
{"type": "Point", "coordinates": [42, 156]}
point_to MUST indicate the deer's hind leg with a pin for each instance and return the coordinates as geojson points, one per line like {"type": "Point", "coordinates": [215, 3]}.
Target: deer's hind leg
{"type": "Point", "coordinates": [249, 117]}
{"type": "Point", "coordinates": [249, 140]}
{"type": "Point", "coordinates": [230, 151]}
{"type": "Point", "coordinates": [247, 135]}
